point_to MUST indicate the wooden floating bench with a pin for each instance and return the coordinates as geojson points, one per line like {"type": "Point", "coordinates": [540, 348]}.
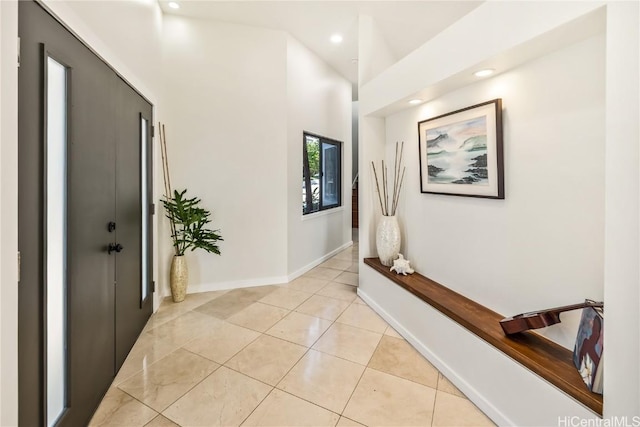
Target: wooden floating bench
{"type": "Point", "coordinates": [549, 360]}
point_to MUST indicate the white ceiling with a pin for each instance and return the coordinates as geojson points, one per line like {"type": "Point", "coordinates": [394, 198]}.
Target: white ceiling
{"type": "Point", "coordinates": [405, 25]}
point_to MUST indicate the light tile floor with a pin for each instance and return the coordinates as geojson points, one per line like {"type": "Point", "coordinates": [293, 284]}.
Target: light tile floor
{"type": "Point", "coordinates": [307, 353]}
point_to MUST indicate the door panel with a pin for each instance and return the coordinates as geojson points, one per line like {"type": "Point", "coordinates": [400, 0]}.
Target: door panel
{"type": "Point", "coordinates": [132, 313]}
{"type": "Point", "coordinates": [90, 208]}
{"type": "Point", "coordinates": [102, 320]}
{"type": "Point", "coordinates": [90, 205]}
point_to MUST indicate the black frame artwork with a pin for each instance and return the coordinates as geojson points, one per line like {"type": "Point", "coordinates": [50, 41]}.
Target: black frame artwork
{"type": "Point", "coordinates": [461, 153]}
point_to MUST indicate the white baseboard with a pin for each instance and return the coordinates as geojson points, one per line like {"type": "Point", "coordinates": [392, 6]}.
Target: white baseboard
{"type": "Point", "coordinates": [497, 384]}
{"type": "Point", "coordinates": [319, 261]}
{"type": "Point", "coordinates": [263, 281]}
{"type": "Point", "coordinates": [236, 284]}
{"type": "Point", "coordinates": [478, 399]}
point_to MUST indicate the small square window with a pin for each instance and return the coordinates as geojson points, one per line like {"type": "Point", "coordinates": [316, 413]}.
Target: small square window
{"type": "Point", "coordinates": [321, 173]}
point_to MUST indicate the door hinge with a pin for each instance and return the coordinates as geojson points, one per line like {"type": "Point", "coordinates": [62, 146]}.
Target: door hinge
{"type": "Point", "coordinates": [153, 209]}
{"type": "Point", "coordinates": [153, 131]}
{"type": "Point", "coordinates": [18, 52]}
{"type": "Point", "coordinates": [18, 266]}
{"type": "Point", "coordinates": [153, 286]}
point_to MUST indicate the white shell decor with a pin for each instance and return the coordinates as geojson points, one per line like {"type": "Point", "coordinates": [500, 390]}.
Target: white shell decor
{"type": "Point", "coordinates": [401, 266]}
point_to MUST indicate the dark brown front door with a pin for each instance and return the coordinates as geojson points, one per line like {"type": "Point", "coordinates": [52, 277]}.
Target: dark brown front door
{"type": "Point", "coordinates": [101, 199]}
{"type": "Point", "coordinates": [131, 112]}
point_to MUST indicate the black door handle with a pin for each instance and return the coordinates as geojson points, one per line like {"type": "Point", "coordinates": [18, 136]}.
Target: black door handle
{"type": "Point", "coordinates": [117, 247]}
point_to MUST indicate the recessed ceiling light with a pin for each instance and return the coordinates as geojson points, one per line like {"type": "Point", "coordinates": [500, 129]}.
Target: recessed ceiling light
{"type": "Point", "coordinates": [415, 101]}
{"type": "Point", "coordinates": [484, 73]}
{"type": "Point", "coordinates": [336, 38]}
{"type": "Point", "coordinates": [174, 5]}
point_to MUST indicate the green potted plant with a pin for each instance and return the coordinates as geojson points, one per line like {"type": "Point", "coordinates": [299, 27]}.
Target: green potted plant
{"type": "Point", "coordinates": [188, 222]}
{"type": "Point", "coordinates": [188, 231]}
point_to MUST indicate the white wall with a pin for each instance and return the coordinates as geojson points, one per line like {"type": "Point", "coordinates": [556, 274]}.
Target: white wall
{"type": "Point", "coordinates": [226, 107]}
{"type": "Point", "coordinates": [372, 136]}
{"type": "Point", "coordinates": [621, 290]}
{"type": "Point", "coordinates": [8, 213]}
{"type": "Point", "coordinates": [374, 54]}
{"type": "Point", "coordinates": [502, 388]}
{"type": "Point", "coordinates": [354, 139]}
{"type": "Point", "coordinates": [107, 28]}
{"type": "Point", "coordinates": [615, 235]}
{"type": "Point", "coordinates": [1, 341]}
{"type": "Point", "coordinates": [125, 33]}
{"type": "Point", "coordinates": [491, 32]}
{"type": "Point", "coordinates": [543, 246]}
{"type": "Point", "coordinates": [319, 101]}
{"type": "Point", "coordinates": [372, 60]}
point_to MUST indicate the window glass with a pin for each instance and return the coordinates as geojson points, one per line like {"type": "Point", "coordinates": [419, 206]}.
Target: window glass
{"type": "Point", "coordinates": [321, 173]}
{"type": "Point", "coordinates": [56, 241]}
{"type": "Point", "coordinates": [144, 192]}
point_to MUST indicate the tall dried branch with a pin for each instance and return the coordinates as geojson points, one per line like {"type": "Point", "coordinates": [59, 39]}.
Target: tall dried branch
{"type": "Point", "coordinates": [377, 186]}
{"type": "Point", "coordinates": [386, 193]}
{"type": "Point", "coordinates": [398, 181]}
{"type": "Point", "coordinates": [167, 179]}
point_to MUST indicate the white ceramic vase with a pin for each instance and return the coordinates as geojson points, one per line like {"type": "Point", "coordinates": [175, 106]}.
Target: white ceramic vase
{"type": "Point", "coordinates": [179, 278]}
{"type": "Point", "coordinates": [388, 239]}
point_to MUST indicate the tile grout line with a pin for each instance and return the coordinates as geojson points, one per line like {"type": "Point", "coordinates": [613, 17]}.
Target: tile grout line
{"type": "Point", "coordinates": [350, 419]}
{"type": "Point", "coordinates": [287, 308]}
{"type": "Point", "coordinates": [213, 361]}
{"type": "Point", "coordinates": [134, 398]}
{"type": "Point", "coordinates": [433, 410]}
{"type": "Point", "coordinates": [353, 392]}
{"type": "Point", "coordinates": [311, 348]}
{"type": "Point", "coordinates": [255, 330]}
{"type": "Point", "coordinates": [406, 379]}
{"type": "Point", "coordinates": [295, 364]}
{"type": "Point", "coordinates": [280, 338]}
{"type": "Point", "coordinates": [259, 403]}
{"type": "Point", "coordinates": [360, 379]}
{"type": "Point", "coordinates": [343, 358]}
{"type": "Point", "coordinates": [160, 413]}
{"type": "Point", "coordinates": [310, 402]}
{"type": "Point", "coordinates": [113, 383]}
{"type": "Point", "coordinates": [191, 388]}
{"type": "Point", "coordinates": [275, 387]}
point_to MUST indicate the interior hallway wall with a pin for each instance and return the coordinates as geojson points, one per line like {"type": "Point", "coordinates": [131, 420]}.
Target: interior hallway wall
{"type": "Point", "coordinates": [543, 245]}
{"type": "Point", "coordinates": [243, 98]}
{"type": "Point", "coordinates": [354, 140]}
{"type": "Point", "coordinates": [8, 213]}
{"type": "Point", "coordinates": [535, 21]}
{"type": "Point", "coordinates": [622, 211]}
{"type": "Point", "coordinates": [319, 101]}
{"type": "Point", "coordinates": [226, 105]}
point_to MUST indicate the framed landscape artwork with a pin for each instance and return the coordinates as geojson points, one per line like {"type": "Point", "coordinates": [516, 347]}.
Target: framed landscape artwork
{"type": "Point", "coordinates": [461, 152]}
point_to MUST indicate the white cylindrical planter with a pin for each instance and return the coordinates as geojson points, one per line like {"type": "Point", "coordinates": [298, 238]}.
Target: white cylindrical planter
{"type": "Point", "coordinates": [388, 239]}
{"type": "Point", "coordinates": [179, 278]}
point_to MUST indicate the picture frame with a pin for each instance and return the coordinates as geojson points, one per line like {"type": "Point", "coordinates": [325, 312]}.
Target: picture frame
{"type": "Point", "coordinates": [461, 153]}
{"type": "Point", "coordinates": [588, 352]}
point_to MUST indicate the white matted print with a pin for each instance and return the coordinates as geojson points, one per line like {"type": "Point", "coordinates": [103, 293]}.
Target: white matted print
{"type": "Point", "coordinates": [461, 152]}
